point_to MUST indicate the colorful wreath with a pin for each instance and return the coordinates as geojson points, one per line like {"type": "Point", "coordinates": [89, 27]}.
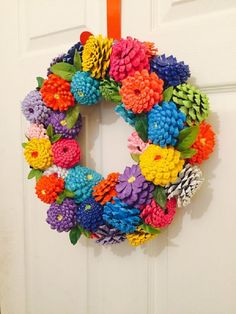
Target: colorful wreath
{"type": "Point", "coordinates": [171, 139]}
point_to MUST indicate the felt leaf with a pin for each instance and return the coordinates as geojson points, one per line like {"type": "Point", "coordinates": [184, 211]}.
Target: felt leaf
{"type": "Point", "coordinates": [188, 153]}
{"type": "Point", "coordinates": [86, 233]}
{"type": "Point", "coordinates": [150, 229]}
{"type": "Point", "coordinates": [69, 193]}
{"type": "Point", "coordinates": [141, 126]}
{"type": "Point", "coordinates": [40, 81]}
{"type": "Point", "coordinates": [49, 131]}
{"type": "Point", "coordinates": [135, 157]}
{"type": "Point", "coordinates": [35, 173]}
{"type": "Point", "coordinates": [65, 194]}
{"type": "Point", "coordinates": [167, 94]}
{"type": "Point", "coordinates": [63, 70]}
{"type": "Point", "coordinates": [55, 138]}
{"type": "Point", "coordinates": [23, 145]}
{"type": "Point", "coordinates": [72, 116]}
{"type": "Point", "coordinates": [77, 61]}
{"type": "Point", "coordinates": [74, 235]}
{"type": "Point", "coordinates": [159, 195]}
{"type": "Point", "coordinates": [187, 137]}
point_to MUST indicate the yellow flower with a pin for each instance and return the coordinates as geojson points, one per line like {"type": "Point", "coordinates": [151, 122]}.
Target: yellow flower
{"type": "Point", "coordinates": [96, 55]}
{"type": "Point", "coordinates": [38, 153]}
{"type": "Point", "coordinates": [139, 237]}
{"type": "Point", "coordinates": [160, 165]}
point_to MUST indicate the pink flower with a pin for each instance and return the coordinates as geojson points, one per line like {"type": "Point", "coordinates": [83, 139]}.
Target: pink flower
{"type": "Point", "coordinates": [66, 153]}
{"type": "Point", "coordinates": [36, 131]}
{"type": "Point", "coordinates": [135, 144]}
{"type": "Point", "coordinates": [157, 217]}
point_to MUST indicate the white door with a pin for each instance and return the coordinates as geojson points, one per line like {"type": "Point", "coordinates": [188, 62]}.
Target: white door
{"type": "Point", "coordinates": [190, 268]}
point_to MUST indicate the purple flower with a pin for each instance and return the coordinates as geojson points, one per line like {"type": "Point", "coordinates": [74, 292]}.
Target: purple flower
{"type": "Point", "coordinates": [109, 235]}
{"type": "Point", "coordinates": [132, 187]}
{"type": "Point", "coordinates": [34, 108]}
{"type": "Point", "coordinates": [62, 217]}
{"type": "Point", "coordinates": [57, 120]}
{"type": "Point", "coordinates": [55, 60]}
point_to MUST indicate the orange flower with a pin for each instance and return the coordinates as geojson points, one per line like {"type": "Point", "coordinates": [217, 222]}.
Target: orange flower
{"type": "Point", "coordinates": [56, 93]}
{"type": "Point", "coordinates": [141, 91]}
{"type": "Point", "coordinates": [204, 144]}
{"type": "Point", "coordinates": [105, 190]}
{"type": "Point", "coordinates": [151, 50]}
{"type": "Point", "coordinates": [48, 187]}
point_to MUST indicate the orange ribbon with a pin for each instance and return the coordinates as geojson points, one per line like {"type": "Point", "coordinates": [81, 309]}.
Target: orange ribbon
{"type": "Point", "coordinates": [114, 19]}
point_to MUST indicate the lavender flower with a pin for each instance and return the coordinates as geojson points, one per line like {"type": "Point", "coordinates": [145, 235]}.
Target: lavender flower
{"type": "Point", "coordinates": [109, 235]}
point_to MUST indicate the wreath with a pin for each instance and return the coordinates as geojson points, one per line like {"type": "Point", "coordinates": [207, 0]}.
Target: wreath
{"type": "Point", "coordinates": [171, 138]}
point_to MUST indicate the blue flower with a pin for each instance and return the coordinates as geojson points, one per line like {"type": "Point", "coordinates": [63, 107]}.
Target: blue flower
{"type": "Point", "coordinates": [121, 216]}
{"type": "Point", "coordinates": [81, 181]}
{"type": "Point", "coordinates": [89, 215]}
{"type": "Point", "coordinates": [69, 56]}
{"type": "Point", "coordinates": [127, 115]}
{"type": "Point", "coordinates": [164, 124]}
{"type": "Point", "coordinates": [85, 88]}
{"type": "Point", "coordinates": [170, 70]}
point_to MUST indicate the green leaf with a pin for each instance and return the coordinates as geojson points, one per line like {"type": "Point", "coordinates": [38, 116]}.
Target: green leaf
{"type": "Point", "coordinates": [50, 131]}
{"type": "Point", "coordinates": [159, 195]}
{"type": "Point", "coordinates": [40, 81]}
{"type": "Point", "coordinates": [188, 153]}
{"type": "Point", "coordinates": [72, 116]}
{"type": "Point", "coordinates": [55, 138]}
{"type": "Point", "coordinates": [167, 94]}
{"type": "Point", "coordinates": [86, 233]}
{"type": "Point", "coordinates": [135, 157]}
{"type": "Point", "coordinates": [77, 61]}
{"type": "Point", "coordinates": [35, 173]}
{"type": "Point", "coordinates": [64, 70]}
{"type": "Point", "coordinates": [74, 235]}
{"type": "Point", "coordinates": [187, 137]}
{"type": "Point", "coordinates": [149, 229]}
{"type": "Point", "coordinates": [141, 126]}
{"type": "Point", "coordinates": [65, 194]}
{"type": "Point", "coordinates": [23, 145]}
{"type": "Point", "coordinates": [69, 194]}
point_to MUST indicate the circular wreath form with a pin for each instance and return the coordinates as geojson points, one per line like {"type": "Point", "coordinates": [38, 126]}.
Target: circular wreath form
{"type": "Point", "coordinates": [171, 138]}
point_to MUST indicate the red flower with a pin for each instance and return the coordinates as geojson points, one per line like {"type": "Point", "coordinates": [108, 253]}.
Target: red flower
{"type": "Point", "coordinates": [48, 187]}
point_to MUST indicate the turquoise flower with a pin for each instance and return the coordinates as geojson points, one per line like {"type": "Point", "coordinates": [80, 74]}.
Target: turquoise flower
{"type": "Point", "coordinates": [85, 88]}
{"type": "Point", "coordinates": [127, 115]}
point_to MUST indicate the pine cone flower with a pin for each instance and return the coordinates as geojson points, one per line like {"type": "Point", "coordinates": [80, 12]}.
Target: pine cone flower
{"type": "Point", "coordinates": [164, 124]}
{"type": "Point", "coordinates": [157, 217]}
{"type": "Point", "coordinates": [62, 217]}
{"type": "Point", "coordinates": [85, 88]}
{"type": "Point", "coordinates": [160, 165]}
{"type": "Point", "coordinates": [139, 237]}
{"type": "Point", "coordinates": [128, 56]}
{"type": "Point", "coordinates": [110, 90]}
{"type": "Point", "coordinates": [89, 215]}
{"type": "Point", "coordinates": [121, 216]}
{"type": "Point", "coordinates": [127, 115]}
{"type": "Point", "coordinates": [60, 172]}
{"type": "Point", "coordinates": [151, 50]}
{"type": "Point", "coordinates": [81, 180]}
{"type": "Point", "coordinates": [58, 121]}
{"type": "Point", "coordinates": [204, 144]}
{"type": "Point", "coordinates": [56, 93]}
{"type": "Point", "coordinates": [38, 153]}
{"type": "Point", "coordinates": [135, 144]}
{"type": "Point", "coordinates": [34, 108]}
{"type": "Point", "coordinates": [192, 102]}
{"type": "Point", "coordinates": [141, 91]}
{"type": "Point", "coordinates": [171, 71]}
{"type": "Point", "coordinates": [96, 56]}
{"type": "Point", "coordinates": [109, 235]}
{"type": "Point", "coordinates": [54, 61]}
{"type": "Point", "coordinates": [132, 187]}
{"type": "Point", "coordinates": [36, 131]}
{"type": "Point", "coordinates": [49, 187]}
{"type": "Point", "coordinates": [66, 153]}
{"type": "Point", "coordinates": [69, 56]}
{"type": "Point", "coordinates": [105, 190]}
{"type": "Point", "coordinates": [189, 181]}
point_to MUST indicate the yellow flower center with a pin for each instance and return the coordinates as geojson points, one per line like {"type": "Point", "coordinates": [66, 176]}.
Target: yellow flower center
{"type": "Point", "coordinates": [59, 217]}
{"type": "Point", "coordinates": [203, 141]}
{"type": "Point", "coordinates": [81, 94]}
{"type": "Point", "coordinates": [131, 179]}
{"type": "Point", "coordinates": [63, 122]}
{"type": "Point", "coordinates": [56, 96]}
{"type": "Point", "coordinates": [89, 176]}
{"type": "Point", "coordinates": [43, 192]}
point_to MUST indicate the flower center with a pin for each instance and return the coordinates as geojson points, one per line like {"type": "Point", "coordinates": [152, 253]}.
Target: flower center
{"type": "Point", "coordinates": [63, 122]}
{"type": "Point", "coordinates": [89, 176]}
{"type": "Point", "coordinates": [34, 154]}
{"type": "Point", "coordinates": [65, 149]}
{"type": "Point", "coordinates": [131, 179]}
{"type": "Point", "coordinates": [155, 125]}
{"type": "Point", "coordinates": [56, 96]}
{"type": "Point", "coordinates": [81, 94]}
{"type": "Point", "coordinates": [157, 157]}
{"type": "Point", "coordinates": [31, 110]}
{"type": "Point", "coordinates": [137, 92]}
{"type": "Point", "coordinates": [87, 207]}
{"type": "Point", "coordinates": [43, 192]}
{"type": "Point", "coordinates": [59, 217]}
{"type": "Point", "coordinates": [203, 141]}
